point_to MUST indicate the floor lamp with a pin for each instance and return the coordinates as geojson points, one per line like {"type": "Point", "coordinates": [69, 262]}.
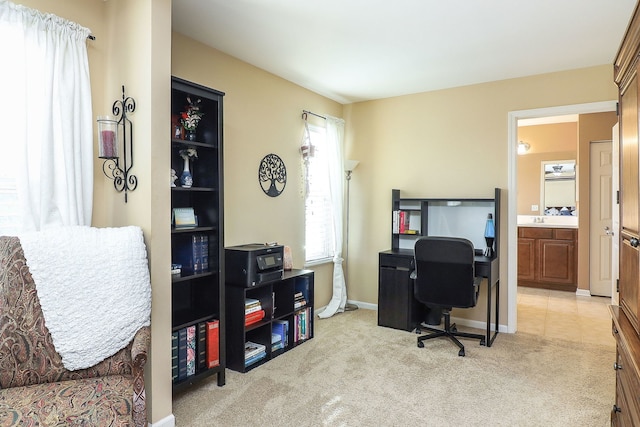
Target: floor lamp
{"type": "Point", "coordinates": [349, 166]}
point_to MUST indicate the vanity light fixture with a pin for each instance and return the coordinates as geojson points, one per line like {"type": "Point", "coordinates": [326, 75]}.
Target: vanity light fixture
{"type": "Point", "coordinates": [523, 147]}
{"type": "Point", "coordinates": [114, 131]}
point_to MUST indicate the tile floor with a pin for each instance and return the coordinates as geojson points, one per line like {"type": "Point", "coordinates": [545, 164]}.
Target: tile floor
{"type": "Point", "coordinates": [564, 315]}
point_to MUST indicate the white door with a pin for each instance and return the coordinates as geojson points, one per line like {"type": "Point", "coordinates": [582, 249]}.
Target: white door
{"type": "Point", "coordinates": [600, 196]}
{"type": "Point", "coordinates": [615, 213]}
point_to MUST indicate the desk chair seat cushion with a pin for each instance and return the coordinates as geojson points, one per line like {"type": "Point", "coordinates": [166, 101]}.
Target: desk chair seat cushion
{"type": "Point", "coordinates": [447, 261]}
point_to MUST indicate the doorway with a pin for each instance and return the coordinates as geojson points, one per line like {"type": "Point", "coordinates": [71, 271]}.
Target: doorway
{"type": "Point", "coordinates": [513, 117]}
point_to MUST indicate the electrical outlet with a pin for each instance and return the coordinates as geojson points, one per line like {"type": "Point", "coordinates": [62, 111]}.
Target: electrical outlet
{"type": "Point", "coordinates": [534, 208]}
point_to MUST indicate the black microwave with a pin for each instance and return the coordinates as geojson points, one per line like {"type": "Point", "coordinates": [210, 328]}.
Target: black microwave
{"type": "Point", "coordinates": [253, 264]}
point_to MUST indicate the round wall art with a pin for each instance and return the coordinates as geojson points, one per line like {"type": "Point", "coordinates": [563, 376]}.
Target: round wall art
{"type": "Point", "coordinates": [272, 175]}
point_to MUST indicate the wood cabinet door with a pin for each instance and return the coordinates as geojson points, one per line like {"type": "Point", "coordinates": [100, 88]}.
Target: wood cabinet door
{"type": "Point", "coordinates": [629, 184]}
{"type": "Point", "coordinates": [557, 261]}
{"type": "Point", "coordinates": [629, 201]}
{"type": "Point", "coordinates": [526, 259]}
{"type": "Point", "coordinates": [629, 281]}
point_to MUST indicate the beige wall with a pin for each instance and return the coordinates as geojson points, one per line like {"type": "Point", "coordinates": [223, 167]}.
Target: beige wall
{"type": "Point", "coordinates": [557, 141]}
{"type": "Point", "coordinates": [449, 143]}
{"type": "Point", "coordinates": [262, 115]}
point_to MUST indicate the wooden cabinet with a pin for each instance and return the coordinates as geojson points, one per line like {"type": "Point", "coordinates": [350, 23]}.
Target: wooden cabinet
{"type": "Point", "coordinates": [547, 258]}
{"type": "Point", "coordinates": [288, 301]}
{"type": "Point", "coordinates": [197, 291]}
{"type": "Point", "coordinates": [397, 308]}
{"type": "Point", "coordinates": [626, 411]}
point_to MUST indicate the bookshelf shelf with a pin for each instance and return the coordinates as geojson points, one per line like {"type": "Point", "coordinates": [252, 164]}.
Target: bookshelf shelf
{"type": "Point", "coordinates": [197, 294]}
{"type": "Point", "coordinates": [278, 300]}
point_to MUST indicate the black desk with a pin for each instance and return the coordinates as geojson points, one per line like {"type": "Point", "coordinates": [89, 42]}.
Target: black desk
{"type": "Point", "coordinates": [397, 307]}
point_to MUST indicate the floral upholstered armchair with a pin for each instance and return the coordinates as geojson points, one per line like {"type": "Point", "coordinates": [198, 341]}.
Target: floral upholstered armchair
{"type": "Point", "coordinates": [35, 387]}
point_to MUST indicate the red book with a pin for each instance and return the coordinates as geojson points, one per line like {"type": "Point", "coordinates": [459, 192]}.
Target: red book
{"type": "Point", "coordinates": [213, 352]}
{"type": "Point", "coordinates": [401, 222]}
{"type": "Point", "coordinates": [254, 317]}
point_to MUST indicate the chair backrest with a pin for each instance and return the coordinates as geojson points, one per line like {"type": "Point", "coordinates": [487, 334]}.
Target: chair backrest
{"type": "Point", "coordinates": [445, 272]}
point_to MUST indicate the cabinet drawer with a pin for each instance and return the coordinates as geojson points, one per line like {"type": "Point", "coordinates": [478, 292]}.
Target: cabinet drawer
{"type": "Point", "coordinates": [535, 233]}
{"type": "Point", "coordinates": [628, 378]}
{"type": "Point", "coordinates": [564, 234]}
{"type": "Point", "coordinates": [396, 261]}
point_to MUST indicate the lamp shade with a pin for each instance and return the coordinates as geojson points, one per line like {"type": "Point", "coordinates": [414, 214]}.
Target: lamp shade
{"type": "Point", "coordinates": [350, 165]}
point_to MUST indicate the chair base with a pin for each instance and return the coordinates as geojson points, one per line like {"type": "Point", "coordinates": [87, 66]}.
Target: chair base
{"type": "Point", "coordinates": [450, 331]}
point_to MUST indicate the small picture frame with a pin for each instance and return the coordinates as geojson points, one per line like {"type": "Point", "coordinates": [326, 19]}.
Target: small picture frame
{"type": "Point", "coordinates": [184, 218]}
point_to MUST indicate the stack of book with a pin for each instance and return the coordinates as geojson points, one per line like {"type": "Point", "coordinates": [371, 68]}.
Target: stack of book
{"type": "Point", "coordinates": [405, 222]}
{"type": "Point", "coordinates": [298, 300]}
{"type": "Point", "coordinates": [194, 254]}
{"type": "Point", "coordinates": [253, 353]}
{"type": "Point", "coordinates": [279, 334]}
{"type": "Point", "coordinates": [194, 349]}
{"type": "Point", "coordinates": [253, 311]}
{"type": "Point", "coordinates": [301, 325]}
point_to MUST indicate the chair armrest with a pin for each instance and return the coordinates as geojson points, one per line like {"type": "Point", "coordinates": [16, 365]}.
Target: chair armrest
{"type": "Point", "coordinates": [139, 350]}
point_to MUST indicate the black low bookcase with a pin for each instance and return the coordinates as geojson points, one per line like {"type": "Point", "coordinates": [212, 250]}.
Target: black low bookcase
{"type": "Point", "coordinates": [277, 299]}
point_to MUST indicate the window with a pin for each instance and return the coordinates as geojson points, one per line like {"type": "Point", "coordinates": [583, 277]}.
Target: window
{"type": "Point", "coordinates": [318, 215]}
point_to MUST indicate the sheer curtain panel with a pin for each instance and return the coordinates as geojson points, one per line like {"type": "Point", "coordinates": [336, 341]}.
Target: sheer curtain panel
{"type": "Point", "coordinates": [335, 133]}
{"type": "Point", "coordinates": [46, 148]}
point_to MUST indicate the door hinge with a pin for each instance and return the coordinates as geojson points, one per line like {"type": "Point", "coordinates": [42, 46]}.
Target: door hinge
{"type": "Point", "coordinates": [617, 109]}
{"type": "Point", "coordinates": [617, 197]}
{"type": "Point", "coordinates": [617, 285]}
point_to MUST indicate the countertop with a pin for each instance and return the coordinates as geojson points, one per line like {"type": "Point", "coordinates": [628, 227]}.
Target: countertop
{"type": "Point", "coordinates": [560, 221]}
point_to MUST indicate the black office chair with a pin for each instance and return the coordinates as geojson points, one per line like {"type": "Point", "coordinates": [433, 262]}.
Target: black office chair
{"type": "Point", "coordinates": [444, 278]}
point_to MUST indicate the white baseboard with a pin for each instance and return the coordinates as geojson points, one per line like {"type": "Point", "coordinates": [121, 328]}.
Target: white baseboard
{"type": "Point", "coordinates": [168, 421]}
{"type": "Point", "coordinates": [583, 292]}
{"type": "Point", "coordinates": [464, 322]}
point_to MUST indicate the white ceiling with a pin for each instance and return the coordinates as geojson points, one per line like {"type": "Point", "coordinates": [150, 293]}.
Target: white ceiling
{"type": "Point", "coordinates": [355, 50]}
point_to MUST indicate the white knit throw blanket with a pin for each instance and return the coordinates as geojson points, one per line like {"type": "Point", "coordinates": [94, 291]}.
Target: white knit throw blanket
{"type": "Point", "coordinates": [94, 288]}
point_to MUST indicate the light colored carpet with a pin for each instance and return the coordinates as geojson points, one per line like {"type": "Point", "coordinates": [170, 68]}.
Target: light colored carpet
{"type": "Point", "coordinates": [355, 373]}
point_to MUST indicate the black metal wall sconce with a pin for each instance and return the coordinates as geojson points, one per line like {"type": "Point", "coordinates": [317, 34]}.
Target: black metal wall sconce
{"type": "Point", "coordinates": [114, 132]}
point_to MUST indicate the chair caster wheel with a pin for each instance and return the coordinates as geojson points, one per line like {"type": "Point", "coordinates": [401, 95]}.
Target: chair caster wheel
{"type": "Point", "coordinates": [483, 342]}
{"type": "Point", "coordinates": [461, 352]}
{"type": "Point", "coordinates": [420, 344]}
{"type": "Point", "coordinates": [454, 329]}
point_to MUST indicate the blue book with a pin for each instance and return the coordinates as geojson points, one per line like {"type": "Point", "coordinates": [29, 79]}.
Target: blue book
{"type": "Point", "coordinates": [255, 358]}
{"type": "Point", "coordinates": [196, 253]}
{"type": "Point", "coordinates": [281, 327]}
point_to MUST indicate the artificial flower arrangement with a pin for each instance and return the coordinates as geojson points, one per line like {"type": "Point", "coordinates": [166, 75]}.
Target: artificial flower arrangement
{"type": "Point", "coordinates": [192, 116]}
{"type": "Point", "coordinates": [188, 153]}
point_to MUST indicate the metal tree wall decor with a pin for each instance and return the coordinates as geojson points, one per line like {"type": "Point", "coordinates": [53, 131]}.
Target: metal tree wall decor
{"type": "Point", "coordinates": [272, 175]}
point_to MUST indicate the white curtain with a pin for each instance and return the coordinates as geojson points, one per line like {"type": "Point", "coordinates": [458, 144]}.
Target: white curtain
{"type": "Point", "coordinates": [335, 133]}
{"type": "Point", "coordinates": [46, 117]}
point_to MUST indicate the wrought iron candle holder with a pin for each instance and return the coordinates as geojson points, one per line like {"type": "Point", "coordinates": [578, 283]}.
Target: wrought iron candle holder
{"type": "Point", "coordinates": [115, 131]}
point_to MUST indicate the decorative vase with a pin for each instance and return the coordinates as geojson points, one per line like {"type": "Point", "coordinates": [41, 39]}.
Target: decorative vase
{"type": "Point", "coordinates": [186, 179]}
{"type": "Point", "coordinates": [191, 134]}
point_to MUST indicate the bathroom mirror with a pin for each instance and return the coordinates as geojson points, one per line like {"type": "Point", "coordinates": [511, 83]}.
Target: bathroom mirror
{"type": "Point", "coordinates": [558, 187]}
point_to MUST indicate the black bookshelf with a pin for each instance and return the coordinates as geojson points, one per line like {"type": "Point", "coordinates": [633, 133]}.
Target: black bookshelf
{"type": "Point", "coordinates": [277, 299]}
{"type": "Point", "coordinates": [197, 294]}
